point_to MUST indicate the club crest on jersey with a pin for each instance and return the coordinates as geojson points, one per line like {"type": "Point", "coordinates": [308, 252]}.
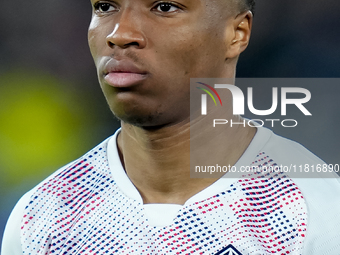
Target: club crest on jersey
{"type": "Point", "coordinates": [229, 250]}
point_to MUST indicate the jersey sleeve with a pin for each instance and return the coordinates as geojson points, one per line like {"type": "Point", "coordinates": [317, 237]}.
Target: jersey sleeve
{"type": "Point", "coordinates": [11, 242]}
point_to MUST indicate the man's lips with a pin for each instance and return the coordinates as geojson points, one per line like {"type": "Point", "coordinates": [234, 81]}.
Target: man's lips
{"type": "Point", "coordinates": [123, 79]}
{"type": "Point", "coordinates": [123, 73]}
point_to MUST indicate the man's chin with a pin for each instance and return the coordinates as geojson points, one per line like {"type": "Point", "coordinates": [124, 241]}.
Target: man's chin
{"type": "Point", "coordinates": [143, 121]}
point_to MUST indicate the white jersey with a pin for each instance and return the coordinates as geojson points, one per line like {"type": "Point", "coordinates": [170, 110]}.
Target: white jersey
{"type": "Point", "coordinates": [91, 207]}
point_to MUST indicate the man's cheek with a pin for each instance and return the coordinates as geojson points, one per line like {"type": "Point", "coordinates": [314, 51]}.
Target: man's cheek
{"type": "Point", "coordinates": [192, 61]}
{"type": "Point", "coordinates": [92, 44]}
{"type": "Point", "coordinates": [97, 39]}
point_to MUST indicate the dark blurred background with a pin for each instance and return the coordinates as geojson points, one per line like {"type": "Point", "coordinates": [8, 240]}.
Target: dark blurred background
{"type": "Point", "coordinates": [52, 110]}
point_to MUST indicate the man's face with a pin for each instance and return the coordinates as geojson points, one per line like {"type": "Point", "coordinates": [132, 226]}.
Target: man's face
{"type": "Point", "coordinates": [146, 51]}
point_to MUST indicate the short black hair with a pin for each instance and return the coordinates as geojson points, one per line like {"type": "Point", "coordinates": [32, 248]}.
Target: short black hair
{"type": "Point", "coordinates": [248, 5]}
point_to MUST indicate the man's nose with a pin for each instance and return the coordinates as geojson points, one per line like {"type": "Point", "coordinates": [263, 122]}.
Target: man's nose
{"type": "Point", "coordinates": [127, 32]}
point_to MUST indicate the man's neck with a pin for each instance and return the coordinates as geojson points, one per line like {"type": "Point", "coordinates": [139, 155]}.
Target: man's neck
{"type": "Point", "coordinates": [158, 161]}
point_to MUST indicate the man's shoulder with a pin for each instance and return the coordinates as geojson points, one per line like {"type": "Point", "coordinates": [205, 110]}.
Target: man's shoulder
{"type": "Point", "coordinates": [285, 150]}
{"type": "Point", "coordinates": [71, 180]}
{"type": "Point", "coordinates": [292, 157]}
{"type": "Point", "coordinates": [63, 193]}
{"type": "Point", "coordinates": [319, 186]}
{"type": "Point", "coordinates": [291, 150]}
{"type": "Point", "coordinates": [93, 160]}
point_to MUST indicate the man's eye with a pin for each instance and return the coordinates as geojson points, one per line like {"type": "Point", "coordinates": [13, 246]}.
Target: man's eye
{"type": "Point", "coordinates": [104, 7]}
{"type": "Point", "coordinates": [166, 7]}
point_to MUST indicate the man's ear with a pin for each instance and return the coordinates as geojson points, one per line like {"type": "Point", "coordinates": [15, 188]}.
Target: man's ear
{"type": "Point", "coordinates": [241, 30]}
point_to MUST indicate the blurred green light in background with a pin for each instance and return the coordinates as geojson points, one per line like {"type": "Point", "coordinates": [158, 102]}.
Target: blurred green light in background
{"type": "Point", "coordinates": [41, 127]}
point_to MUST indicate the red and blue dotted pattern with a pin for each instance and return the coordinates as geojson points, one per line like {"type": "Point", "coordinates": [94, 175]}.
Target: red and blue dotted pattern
{"type": "Point", "coordinates": [80, 210]}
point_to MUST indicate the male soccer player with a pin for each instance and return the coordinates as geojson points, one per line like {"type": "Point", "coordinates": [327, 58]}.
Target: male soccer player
{"type": "Point", "coordinates": [133, 194]}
